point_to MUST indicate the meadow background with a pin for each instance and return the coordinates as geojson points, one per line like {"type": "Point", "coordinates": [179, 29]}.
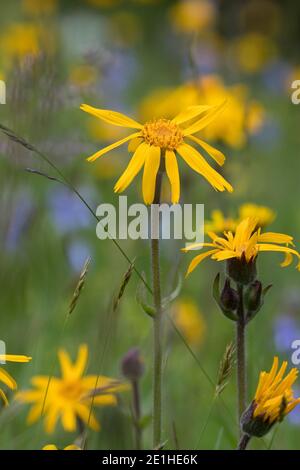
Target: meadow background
{"type": "Point", "coordinates": [128, 56]}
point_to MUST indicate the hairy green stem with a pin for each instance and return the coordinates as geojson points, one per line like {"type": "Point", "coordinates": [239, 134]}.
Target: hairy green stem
{"type": "Point", "coordinates": [241, 355]}
{"type": "Point", "coordinates": [157, 319]}
{"type": "Point", "coordinates": [244, 441]}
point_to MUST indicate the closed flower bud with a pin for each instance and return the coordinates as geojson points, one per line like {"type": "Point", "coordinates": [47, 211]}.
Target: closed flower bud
{"type": "Point", "coordinates": [240, 270]}
{"type": "Point", "coordinates": [254, 426]}
{"type": "Point", "coordinates": [253, 296]}
{"type": "Point", "coordinates": [133, 365]}
{"type": "Point", "coordinates": [229, 297]}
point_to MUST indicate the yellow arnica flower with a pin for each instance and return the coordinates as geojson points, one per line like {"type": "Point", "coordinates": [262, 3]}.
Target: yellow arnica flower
{"type": "Point", "coordinates": [244, 244]}
{"type": "Point", "coordinates": [158, 141]}
{"type": "Point", "coordinates": [190, 321]}
{"type": "Point", "coordinates": [69, 397]}
{"type": "Point", "coordinates": [274, 395]}
{"type": "Point", "coordinates": [264, 215]}
{"type": "Point", "coordinates": [5, 377]}
{"type": "Point", "coordinates": [53, 447]}
{"type": "Point", "coordinates": [219, 223]}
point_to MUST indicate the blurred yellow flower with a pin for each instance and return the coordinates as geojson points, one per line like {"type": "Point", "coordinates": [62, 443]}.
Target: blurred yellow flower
{"type": "Point", "coordinates": [219, 223]}
{"type": "Point", "coordinates": [274, 397]}
{"type": "Point", "coordinates": [69, 397]}
{"type": "Point", "coordinates": [244, 244]}
{"type": "Point", "coordinates": [264, 215]}
{"type": "Point", "coordinates": [83, 75]}
{"type": "Point", "coordinates": [20, 39]}
{"type": "Point", "coordinates": [190, 16]}
{"type": "Point", "coordinates": [39, 7]}
{"type": "Point", "coordinates": [5, 377]}
{"type": "Point", "coordinates": [240, 117]}
{"type": "Point", "coordinates": [161, 138]}
{"type": "Point", "coordinates": [53, 447]}
{"type": "Point", "coordinates": [253, 51]}
{"type": "Point", "coordinates": [190, 321]}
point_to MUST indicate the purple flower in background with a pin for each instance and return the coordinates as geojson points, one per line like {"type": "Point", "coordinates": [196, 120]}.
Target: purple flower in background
{"type": "Point", "coordinates": [67, 211]}
{"type": "Point", "coordinates": [21, 215]}
{"type": "Point", "coordinates": [78, 251]}
{"type": "Point", "coordinates": [286, 330]}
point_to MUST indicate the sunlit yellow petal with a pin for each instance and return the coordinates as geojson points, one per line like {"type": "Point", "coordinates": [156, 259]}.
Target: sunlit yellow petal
{"type": "Point", "coordinates": [107, 149]}
{"type": "Point", "coordinates": [173, 175]}
{"type": "Point", "coordinates": [7, 379]}
{"type": "Point", "coordinates": [190, 113]}
{"type": "Point", "coordinates": [152, 164]}
{"type": "Point", "coordinates": [205, 120]}
{"type": "Point", "coordinates": [133, 168]}
{"type": "Point", "coordinates": [214, 153]}
{"type": "Point", "coordinates": [112, 117]}
{"type": "Point", "coordinates": [194, 263]}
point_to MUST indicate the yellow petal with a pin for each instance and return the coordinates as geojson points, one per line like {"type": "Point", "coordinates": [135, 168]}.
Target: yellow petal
{"type": "Point", "coordinates": [205, 120]}
{"type": "Point", "coordinates": [14, 358]}
{"type": "Point", "coordinates": [68, 419]}
{"type": "Point", "coordinates": [134, 166]}
{"type": "Point", "coordinates": [273, 237]}
{"type": "Point", "coordinates": [50, 447]}
{"type": "Point", "coordinates": [200, 165]}
{"type": "Point", "coordinates": [151, 168]}
{"type": "Point", "coordinates": [81, 361]}
{"type": "Point", "coordinates": [173, 175]}
{"type": "Point", "coordinates": [194, 263]}
{"type": "Point", "coordinates": [190, 113]}
{"type": "Point", "coordinates": [87, 415]}
{"type": "Point", "coordinates": [112, 117]}
{"type": "Point", "coordinates": [3, 397]}
{"type": "Point", "coordinates": [103, 151]}
{"type": "Point", "coordinates": [72, 447]}
{"type": "Point", "coordinates": [214, 153]}
{"type": "Point", "coordinates": [65, 363]}
{"type": "Point", "coordinates": [51, 420]}
{"type": "Point", "coordinates": [7, 379]}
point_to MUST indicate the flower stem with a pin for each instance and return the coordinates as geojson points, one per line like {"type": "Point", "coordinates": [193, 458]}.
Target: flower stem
{"type": "Point", "coordinates": [241, 355]}
{"type": "Point", "coordinates": [137, 414]}
{"type": "Point", "coordinates": [244, 441]}
{"type": "Point", "coordinates": [157, 319]}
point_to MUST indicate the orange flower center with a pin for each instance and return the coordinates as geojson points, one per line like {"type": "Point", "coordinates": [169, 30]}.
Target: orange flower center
{"type": "Point", "coordinates": [71, 390]}
{"type": "Point", "coordinates": [162, 133]}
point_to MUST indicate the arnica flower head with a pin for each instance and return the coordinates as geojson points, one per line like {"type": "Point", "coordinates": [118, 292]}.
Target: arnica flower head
{"type": "Point", "coordinates": [264, 215]}
{"type": "Point", "coordinates": [53, 447]}
{"type": "Point", "coordinates": [273, 400]}
{"type": "Point", "coordinates": [243, 246]}
{"type": "Point", "coordinates": [5, 377]}
{"type": "Point", "coordinates": [158, 141]}
{"type": "Point", "coordinates": [70, 396]}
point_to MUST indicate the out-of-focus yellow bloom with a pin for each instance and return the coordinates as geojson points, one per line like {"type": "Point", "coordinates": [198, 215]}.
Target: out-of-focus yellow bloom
{"type": "Point", "coordinates": [264, 215]}
{"type": "Point", "coordinates": [240, 117]}
{"type": "Point", "coordinates": [161, 138]}
{"type": "Point", "coordinates": [274, 397]}
{"type": "Point", "coordinates": [253, 51]}
{"type": "Point", "coordinates": [69, 397]}
{"type": "Point", "coordinates": [219, 223]}
{"type": "Point", "coordinates": [190, 16]}
{"type": "Point", "coordinates": [244, 244]}
{"type": "Point", "coordinates": [83, 75]}
{"type": "Point", "coordinates": [20, 40]}
{"type": "Point", "coordinates": [190, 321]}
{"type": "Point", "coordinates": [5, 377]}
{"type": "Point", "coordinates": [54, 447]}
{"type": "Point", "coordinates": [40, 7]}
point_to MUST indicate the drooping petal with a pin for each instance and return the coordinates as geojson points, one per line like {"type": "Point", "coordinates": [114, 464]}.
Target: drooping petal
{"type": "Point", "coordinates": [195, 261]}
{"type": "Point", "coordinates": [3, 397]}
{"type": "Point", "coordinates": [103, 151]}
{"type": "Point", "coordinates": [134, 166]}
{"type": "Point", "coordinates": [205, 120]}
{"type": "Point", "coordinates": [68, 418]}
{"type": "Point", "coordinates": [190, 113]}
{"type": "Point", "coordinates": [152, 163]}
{"type": "Point", "coordinates": [200, 165]}
{"type": "Point", "coordinates": [273, 237]}
{"type": "Point", "coordinates": [112, 117]}
{"type": "Point", "coordinates": [173, 175]}
{"type": "Point", "coordinates": [218, 156]}
{"type": "Point", "coordinates": [7, 379]}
